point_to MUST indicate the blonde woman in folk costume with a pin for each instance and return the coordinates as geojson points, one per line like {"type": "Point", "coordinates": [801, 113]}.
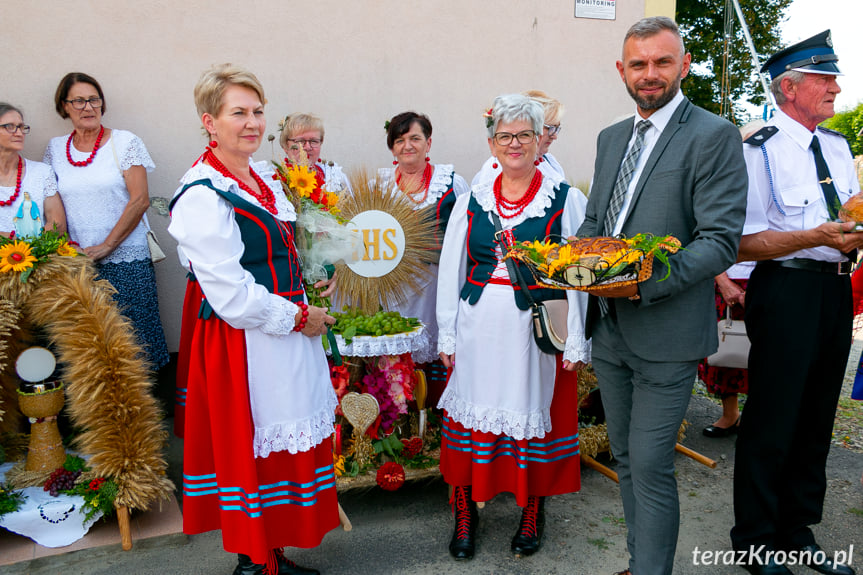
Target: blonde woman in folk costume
{"type": "Point", "coordinates": [260, 406]}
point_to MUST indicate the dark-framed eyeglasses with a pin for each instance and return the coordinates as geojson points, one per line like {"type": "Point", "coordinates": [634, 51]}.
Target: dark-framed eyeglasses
{"type": "Point", "coordinates": [314, 143]}
{"type": "Point", "coordinates": [12, 128]}
{"type": "Point", "coordinates": [81, 103]}
{"type": "Point", "coordinates": [553, 130]}
{"type": "Point", "coordinates": [505, 138]}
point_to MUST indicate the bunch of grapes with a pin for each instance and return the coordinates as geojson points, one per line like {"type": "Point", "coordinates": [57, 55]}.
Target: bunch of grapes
{"type": "Point", "coordinates": [353, 322]}
{"type": "Point", "coordinates": [61, 480]}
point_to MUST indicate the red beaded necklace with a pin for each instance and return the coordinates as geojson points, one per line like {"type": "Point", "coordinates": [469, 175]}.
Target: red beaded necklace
{"type": "Point", "coordinates": [265, 197]}
{"type": "Point", "coordinates": [14, 196]}
{"type": "Point", "coordinates": [425, 182]}
{"type": "Point", "coordinates": [517, 207]}
{"type": "Point", "coordinates": [89, 160]}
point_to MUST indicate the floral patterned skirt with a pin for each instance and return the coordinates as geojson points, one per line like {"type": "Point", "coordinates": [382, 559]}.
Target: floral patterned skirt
{"type": "Point", "coordinates": [721, 381]}
{"type": "Point", "coordinates": [136, 297]}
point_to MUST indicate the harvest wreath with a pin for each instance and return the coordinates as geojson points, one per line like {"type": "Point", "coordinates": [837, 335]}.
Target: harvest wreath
{"type": "Point", "coordinates": [107, 380]}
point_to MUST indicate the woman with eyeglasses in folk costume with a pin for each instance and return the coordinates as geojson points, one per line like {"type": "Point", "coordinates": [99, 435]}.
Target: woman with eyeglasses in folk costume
{"type": "Point", "coordinates": [29, 200]}
{"type": "Point", "coordinates": [510, 422]}
{"type": "Point", "coordinates": [303, 135]}
{"type": "Point", "coordinates": [102, 177]}
{"type": "Point", "coordinates": [549, 166]}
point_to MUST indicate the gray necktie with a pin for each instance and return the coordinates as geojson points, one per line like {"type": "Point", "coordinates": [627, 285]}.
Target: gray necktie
{"type": "Point", "coordinates": [624, 177]}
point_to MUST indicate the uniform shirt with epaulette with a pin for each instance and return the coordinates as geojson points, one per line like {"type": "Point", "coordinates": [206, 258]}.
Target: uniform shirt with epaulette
{"type": "Point", "coordinates": [784, 190]}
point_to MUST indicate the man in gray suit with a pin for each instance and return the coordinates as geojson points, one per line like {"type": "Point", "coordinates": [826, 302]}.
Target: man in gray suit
{"type": "Point", "coordinates": [675, 169]}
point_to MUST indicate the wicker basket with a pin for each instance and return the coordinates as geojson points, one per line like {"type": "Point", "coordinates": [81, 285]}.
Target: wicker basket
{"type": "Point", "coordinates": [635, 273]}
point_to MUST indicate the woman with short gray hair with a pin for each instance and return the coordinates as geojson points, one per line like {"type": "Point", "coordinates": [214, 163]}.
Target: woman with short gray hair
{"type": "Point", "coordinates": [509, 418]}
{"type": "Point", "coordinates": [29, 200]}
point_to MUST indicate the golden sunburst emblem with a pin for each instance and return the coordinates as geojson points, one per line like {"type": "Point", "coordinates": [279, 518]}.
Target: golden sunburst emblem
{"type": "Point", "coordinates": [420, 245]}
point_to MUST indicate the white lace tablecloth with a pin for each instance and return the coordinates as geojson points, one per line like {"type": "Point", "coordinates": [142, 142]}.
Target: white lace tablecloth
{"type": "Point", "coordinates": [49, 521]}
{"type": "Point", "coordinates": [374, 346]}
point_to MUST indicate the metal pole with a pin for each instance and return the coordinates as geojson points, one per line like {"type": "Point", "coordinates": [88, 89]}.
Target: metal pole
{"type": "Point", "coordinates": [754, 54]}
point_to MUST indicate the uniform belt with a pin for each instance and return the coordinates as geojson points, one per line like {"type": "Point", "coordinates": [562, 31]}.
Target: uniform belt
{"type": "Point", "coordinates": [836, 268]}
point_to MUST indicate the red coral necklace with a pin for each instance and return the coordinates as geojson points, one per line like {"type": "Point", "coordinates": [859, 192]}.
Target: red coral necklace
{"type": "Point", "coordinates": [89, 160]}
{"type": "Point", "coordinates": [425, 182]}
{"type": "Point", "coordinates": [517, 207]}
{"type": "Point", "coordinates": [265, 196]}
{"type": "Point", "coordinates": [14, 196]}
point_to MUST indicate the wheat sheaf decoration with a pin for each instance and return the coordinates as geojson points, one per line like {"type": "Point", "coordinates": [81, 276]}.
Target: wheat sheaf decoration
{"type": "Point", "coordinates": [108, 388]}
{"type": "Point", "coordinates": [421, 245]}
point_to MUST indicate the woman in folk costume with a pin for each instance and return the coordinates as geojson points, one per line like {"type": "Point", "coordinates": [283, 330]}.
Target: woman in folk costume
{"type": "Point", "coordinates": [432, 188]}
{"type": "Point", "coordinates": [260, 405]}
{"type": "Point", "coordinates": [510, 421]}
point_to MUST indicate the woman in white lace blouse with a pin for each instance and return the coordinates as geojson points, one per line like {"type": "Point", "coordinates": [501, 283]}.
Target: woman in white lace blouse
{"type": "Point", "coordinates": [102, 177]}
{"type": "Point", "coordinates": [28, 190]}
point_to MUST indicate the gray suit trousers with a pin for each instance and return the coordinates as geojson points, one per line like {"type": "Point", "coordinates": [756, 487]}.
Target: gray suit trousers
{"type": "Point", "coordinates": [644, 402]}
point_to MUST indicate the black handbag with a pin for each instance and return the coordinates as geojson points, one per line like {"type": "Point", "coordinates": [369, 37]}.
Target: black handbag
{"type": "Point", "coordinates": [550, 338]}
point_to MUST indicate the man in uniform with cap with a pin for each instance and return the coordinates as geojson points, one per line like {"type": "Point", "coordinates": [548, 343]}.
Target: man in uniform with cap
{"type": "Point", "coordinates": [798, 313]}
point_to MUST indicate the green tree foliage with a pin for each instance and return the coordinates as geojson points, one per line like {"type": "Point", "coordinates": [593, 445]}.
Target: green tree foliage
{"type": "Point", "coordinates": [702, 24]}
{"type": "Point", "coordinates": [849, 123]}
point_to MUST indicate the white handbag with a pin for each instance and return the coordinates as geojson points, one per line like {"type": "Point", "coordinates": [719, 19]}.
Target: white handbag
{"type": "Point", "coordinates": [733, 343]}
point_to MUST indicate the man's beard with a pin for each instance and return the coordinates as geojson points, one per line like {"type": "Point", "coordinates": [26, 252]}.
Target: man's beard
{"type": "Point", "coordinates": [656, 101]}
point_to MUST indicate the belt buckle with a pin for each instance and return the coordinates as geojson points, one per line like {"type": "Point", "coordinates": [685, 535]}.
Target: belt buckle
{"type": "Point", "coordinates": [844, 268]}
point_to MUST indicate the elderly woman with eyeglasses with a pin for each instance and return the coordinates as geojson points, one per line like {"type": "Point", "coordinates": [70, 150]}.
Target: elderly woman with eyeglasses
{"type": "Point", "coordinates": [102, 177]}
{"type": "Point", "coordinates": [548, 164]}
{"type": "Point", "coordinates": [510, 422]}
{"type": "Point", "coordinates": [303, 135]}
{"type": "Point", "coordinates": [29, 200]}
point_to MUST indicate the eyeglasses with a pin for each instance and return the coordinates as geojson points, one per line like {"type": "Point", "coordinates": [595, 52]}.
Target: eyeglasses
{"type": "Point", "coordinates": [553, 130]}
{"type": "Point", "coordinates": [12, 128]}
{"type": "Point", "coordinates": [302, 143]}
{"type": "Point", "coordinates": [505, 138]}
{"type": "Point", "coordinates": [81, 103]}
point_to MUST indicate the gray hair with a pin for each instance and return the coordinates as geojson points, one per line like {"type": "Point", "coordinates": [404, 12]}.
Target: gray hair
{"type": "Point", "coordinates": [776, 84]}
{"type": "Point", "coordinates": [4, 108]}
{"type": "Point", "coordinates": [647, 27]}
{"type": "Point", "coordinates": [513, 107]}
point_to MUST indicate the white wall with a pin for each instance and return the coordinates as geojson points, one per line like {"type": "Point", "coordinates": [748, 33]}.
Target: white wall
{"type": "Point", "coordinates": [354, 63]}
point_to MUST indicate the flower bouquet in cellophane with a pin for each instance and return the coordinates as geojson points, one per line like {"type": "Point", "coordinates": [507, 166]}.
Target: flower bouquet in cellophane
{"type": "Point", "coordinates": [591, 264]}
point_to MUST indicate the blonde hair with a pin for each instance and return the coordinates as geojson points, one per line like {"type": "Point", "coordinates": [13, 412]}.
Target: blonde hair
{"type": "Point", "coordinates": [552, 107]}
{"type": "Point", "coordinates": [299, 123]}
{"type": "Point", "coordinates": [212, 85]}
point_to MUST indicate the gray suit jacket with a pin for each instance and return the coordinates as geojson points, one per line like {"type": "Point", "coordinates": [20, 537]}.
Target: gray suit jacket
{"type": "Point", "coordinates": [693, 187]}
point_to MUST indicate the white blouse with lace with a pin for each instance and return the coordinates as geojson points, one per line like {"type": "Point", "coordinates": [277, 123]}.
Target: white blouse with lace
{"type": "Point", "coordinates": [38, 183]}
{"type": "Point", "coordinates": [502, 383]}
{"type": "Point", "coordinates": [291, 396]}
{"type": "Point", "coordinates": [95, 195]}
{"type": "Point", "coordinates": [422, 304]}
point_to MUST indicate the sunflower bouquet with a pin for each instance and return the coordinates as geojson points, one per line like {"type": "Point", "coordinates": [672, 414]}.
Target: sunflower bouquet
{"type": "Point", "coordinates": [594, 263]}
{"type": "Point", "coordinates": [23, 255]}
{"type": "Point", "coordinates": [322, 237]}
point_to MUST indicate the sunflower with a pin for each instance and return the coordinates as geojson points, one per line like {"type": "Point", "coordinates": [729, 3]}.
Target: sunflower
{"type": "Point", "coordinates": [302, 180]}
{"type": "Point", "coordinates": [67, 250]}
{"type": "Point", "coordinates": [16, 257]}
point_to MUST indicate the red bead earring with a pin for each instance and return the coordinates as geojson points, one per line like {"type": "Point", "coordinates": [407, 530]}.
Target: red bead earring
{"type": "Point", "coordinates": [427, 159]}
{"type": "Point", "coordinates": [213, 144]}
{"type": "Point", "coordinates": [536, 162]}
{"type": "Point", "coordinates": [395, 162]}
{"type": "Point", "coordinates": [494, 165]}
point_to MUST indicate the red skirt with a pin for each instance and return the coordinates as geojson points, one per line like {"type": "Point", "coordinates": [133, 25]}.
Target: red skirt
{"type": "Point", "coordinates": [258, 503]}
{"type": "Point", "coordinates": [493, 464]}
{"type": "Point", "coordinates": [191, 307]}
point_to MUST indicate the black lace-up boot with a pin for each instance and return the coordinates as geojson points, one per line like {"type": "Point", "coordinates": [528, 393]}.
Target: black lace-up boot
{"type": "Point", "coordinates": [528, 538]}
{"type": "Point", "coordinates": [463, 543]}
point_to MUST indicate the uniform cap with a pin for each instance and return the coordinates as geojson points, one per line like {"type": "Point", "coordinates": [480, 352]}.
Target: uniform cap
{"type": "Point", "coordinates": [814, 55]}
